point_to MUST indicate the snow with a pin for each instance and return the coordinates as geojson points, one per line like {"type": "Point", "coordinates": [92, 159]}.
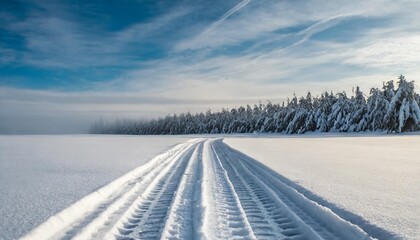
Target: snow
{"type": "Point", "coordinates": [314, 186]}
{"type": "Point", "coordinates": [364, 177]}
{"type": "Point", "coordinates": [41, 175]}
